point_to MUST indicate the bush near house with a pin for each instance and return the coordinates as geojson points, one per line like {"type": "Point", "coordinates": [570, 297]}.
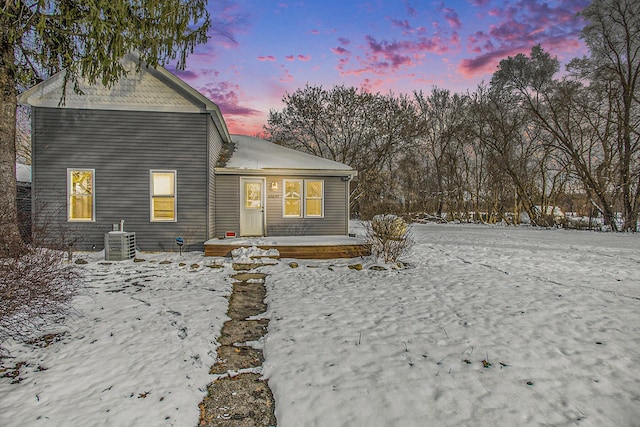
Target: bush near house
{"type": "Point", "coordinates": [36, 288]}
{"type": "Point", "coordinates": [388, 236]}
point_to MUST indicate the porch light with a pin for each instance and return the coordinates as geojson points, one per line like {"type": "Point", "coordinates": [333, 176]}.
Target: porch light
{"type": "Point", "coordinates": [274, 185]}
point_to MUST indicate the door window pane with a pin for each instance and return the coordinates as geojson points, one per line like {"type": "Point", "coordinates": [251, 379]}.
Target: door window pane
{"type": "Point", "coordinates": [253, 195]}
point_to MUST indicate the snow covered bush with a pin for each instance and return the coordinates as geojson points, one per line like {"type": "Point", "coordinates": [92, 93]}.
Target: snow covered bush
{"type": "Point", "coordinates": [388, 236]}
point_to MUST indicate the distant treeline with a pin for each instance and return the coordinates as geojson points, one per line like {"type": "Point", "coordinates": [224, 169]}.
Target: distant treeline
{"type": "Point", "coordinates": [529, 139]}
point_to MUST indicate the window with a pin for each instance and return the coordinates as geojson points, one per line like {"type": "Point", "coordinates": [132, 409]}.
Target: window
{"type": "Point", "coordinates": [313, 193]}
{"type": "Point", "coordinates": [292, 198]}
{"type": "Point", "coordinates": [163, 195]}
{"type": "Point", "coordinates": [303, 198]}
{"type": "Point", "coordinates": [81, 203]}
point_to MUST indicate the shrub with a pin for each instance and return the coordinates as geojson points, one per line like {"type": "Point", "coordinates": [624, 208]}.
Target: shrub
{"type": "Point", "coordinates": [36, 288]}
{"type": "Point", "coordinates": [388, 236]}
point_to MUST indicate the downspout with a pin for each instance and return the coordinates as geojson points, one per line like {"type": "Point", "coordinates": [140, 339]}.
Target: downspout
{"type": "Point", "coordinates": [347, 191]}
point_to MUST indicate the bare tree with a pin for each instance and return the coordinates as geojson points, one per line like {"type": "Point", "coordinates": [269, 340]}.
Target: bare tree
{"type": "Point", "coordinates": [613, 36]}
{"type": "Point", "coordinates": [443, 118]}
{"type": "Point", "coordinates": [363, 130]}
{"type": "Point", "coordinates": [513, 142]}
{"type": "Point", "coordinates": [579, 126]}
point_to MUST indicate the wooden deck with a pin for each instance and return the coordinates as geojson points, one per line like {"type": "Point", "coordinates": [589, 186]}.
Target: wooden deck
{"type": "Point", "coordinates": [310, 247]}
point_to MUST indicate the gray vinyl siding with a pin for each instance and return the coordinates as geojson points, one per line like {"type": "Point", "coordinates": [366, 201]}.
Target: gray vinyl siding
{"type": "Point", "coordinates": [227, 204]}
{"type": "Point", "coordinates": [215, 147]}
{"type": "Point", "coordinates": [122, 147]}
{"type": "Point", "coordinates": [334, 221]}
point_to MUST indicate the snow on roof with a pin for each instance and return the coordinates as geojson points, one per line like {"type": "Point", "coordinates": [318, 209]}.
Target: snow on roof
{"type": "Point", "coordinates": [23, 173]}
{"type": "Point", "coordinates": [255, 153]}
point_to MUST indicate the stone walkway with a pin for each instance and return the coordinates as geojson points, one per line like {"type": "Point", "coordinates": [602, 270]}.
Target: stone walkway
{"type": "Point", "coordinates": [239, 398]}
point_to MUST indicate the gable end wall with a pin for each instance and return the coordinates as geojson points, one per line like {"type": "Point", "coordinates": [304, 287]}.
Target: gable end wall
{"type": "Point", "coordinates": [122, 147]}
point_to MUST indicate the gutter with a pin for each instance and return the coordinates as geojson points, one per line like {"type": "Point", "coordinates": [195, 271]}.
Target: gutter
{"type": "Point", "coordinates": [350, 173]}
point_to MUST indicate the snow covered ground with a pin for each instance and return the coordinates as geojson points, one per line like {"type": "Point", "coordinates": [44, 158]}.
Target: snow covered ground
{"type": "Point", "coordinates": [488, 326]}
{"type": "Point", "coordinates": [137, 353]}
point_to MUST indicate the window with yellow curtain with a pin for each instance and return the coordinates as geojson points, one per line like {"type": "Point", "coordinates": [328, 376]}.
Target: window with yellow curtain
{"type": "Point", "coordinates": [313, 193]}
{"type": "Point", "coordinates": [81, 204]}
{"type": "Point", "coordinates": [163, 195]}
{"type": "Point", "coordinates": [292, 198]}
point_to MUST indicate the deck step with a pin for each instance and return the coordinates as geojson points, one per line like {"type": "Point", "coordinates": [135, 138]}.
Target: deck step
{"type": "Point", "coordinates": [299, 252]}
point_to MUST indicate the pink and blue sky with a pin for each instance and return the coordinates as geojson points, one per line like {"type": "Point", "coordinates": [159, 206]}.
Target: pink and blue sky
{"type": "Point", "coordinates": [261, 49]}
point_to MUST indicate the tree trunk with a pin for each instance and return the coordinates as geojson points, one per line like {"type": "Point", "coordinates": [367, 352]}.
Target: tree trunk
{"type": "Point", "coordinates": [9, 232]}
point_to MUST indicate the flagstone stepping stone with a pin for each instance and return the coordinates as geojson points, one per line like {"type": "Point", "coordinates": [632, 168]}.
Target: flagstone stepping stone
{"type": "Point", "coordinates": [241, 331]}
{"type": "Point", "coordinates": [243, 277]}
{"type": "Point", "coordinates": [246, 300]}
{"type": "Point", "coordinates": [240, 401]}
{"type": "Point", "coordinates": [235, 358]}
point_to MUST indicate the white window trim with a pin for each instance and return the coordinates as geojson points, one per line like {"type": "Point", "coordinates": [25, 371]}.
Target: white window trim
{"type": "Point", "coordinates": [321, 181]}
{"type": "Point", "coordinates": [70, 192]}
{"type": "Point", "coordinates": [303, 198]}
{"type": "Point", "coordinates": [284, 189]}
{"type": "Point", "coordinates": [175, 195]}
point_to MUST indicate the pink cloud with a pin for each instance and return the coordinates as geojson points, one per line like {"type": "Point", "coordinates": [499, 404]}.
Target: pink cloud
{"type": "Point", "coordinates": [304, 58]}
{"type": "Point", "coordinates": [290, 58]}
{"type": "Point", "coordinates": [451, 16]}
{"type": "Point", "coordinates": [339, 50]}
{"type": "Point", "coordinates": [226, 96]}
{"type": "Point", "coordinates": [403, 25]}
{"type": "Point", "coordinates": [371, 86]}
{"type": "Point", "coordinates": [521, 26]}
{"type": "Point", "coordinates": [315, 32]}
{"type": "Point", "coordinates": [269, 58]}
{"type": "Point", "coordinates": [486, 63]}
{"type": "Point", "coordinates": [382, 57]}
{"type": "Point", "coordinates": [386, 54]}
{"type": "Point", "coordinates": [411, 10]}
{"type": "Point", "coordinates": [343, 41]}
{"type": "Point", "coordinates": [399, 53]}
{"type": "Point", "coordinates": [286, 76]}
{"type": "Point", "coordinates": [245, 126]}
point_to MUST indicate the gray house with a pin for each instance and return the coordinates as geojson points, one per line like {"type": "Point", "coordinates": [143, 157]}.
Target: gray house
{"type": "Point", "coordinates": [153, 152]}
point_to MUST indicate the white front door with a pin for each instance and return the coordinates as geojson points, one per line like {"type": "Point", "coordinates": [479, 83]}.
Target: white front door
{"type": "Point", "coordinates": [252, 206]}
